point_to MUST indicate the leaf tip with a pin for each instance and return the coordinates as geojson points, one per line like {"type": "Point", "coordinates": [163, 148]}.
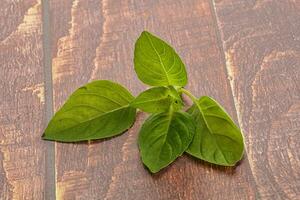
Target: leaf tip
{"type": "Point", "coordinates": [153, 171]}
{"type": "Point", "coordinates": [145, 32]}
{"type": "Point", "coordinates": [44, 137]}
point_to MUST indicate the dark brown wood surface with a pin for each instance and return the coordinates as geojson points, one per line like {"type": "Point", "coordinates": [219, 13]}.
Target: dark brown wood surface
{"type": "Point", "coordinates": [245, 54]}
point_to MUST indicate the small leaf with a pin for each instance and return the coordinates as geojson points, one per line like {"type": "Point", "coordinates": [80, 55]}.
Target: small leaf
{"type": "Point", "coordinates": [217, 139]}
{"type": "Point", "coordinates": [156, 63]}
{"type": "Point", "coordinates": [158, 99]}
{"type": "Point", "coordinates": [97, 110]}
{"type": "Point", "coordinates": [164, 137]}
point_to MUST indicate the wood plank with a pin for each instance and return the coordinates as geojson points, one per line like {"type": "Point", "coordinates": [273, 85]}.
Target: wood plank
{"type": "Point", "coordinates": [22, 152]}
{"type": "Point", "coordinates": [262, 46]}
{"type": "Point", "coordinates": [94, 40]}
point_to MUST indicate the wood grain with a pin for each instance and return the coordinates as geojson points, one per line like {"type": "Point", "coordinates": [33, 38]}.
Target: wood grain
{"type": "Point", "coordinates": [22, 157]}
{"type": "Point", "coordinates": [94, 40]}
{"type": "Point", "coordinates": [261, 40]}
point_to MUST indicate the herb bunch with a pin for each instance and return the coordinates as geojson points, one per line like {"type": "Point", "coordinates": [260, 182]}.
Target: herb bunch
{"type": "Point", "coordinates": [103, 109]}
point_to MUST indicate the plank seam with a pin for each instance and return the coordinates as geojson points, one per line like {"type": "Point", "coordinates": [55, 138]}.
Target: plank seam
{"type": "Point", "coordinates": [50, 188]}
{"type": "Point", "coordinates": [233, 95]}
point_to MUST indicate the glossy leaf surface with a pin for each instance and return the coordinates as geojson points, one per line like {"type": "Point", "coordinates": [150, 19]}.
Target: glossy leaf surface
{"type": "Point", "coordinates": [97, 110]}
{"type": "Point", "coordinates": [217, 139]}
{"type": "Point", "coordinates": [156, 62]}
{"type": "Point", "coordinates": [158, 99]}
{"type": "Point", "coordinates": [164, 137]}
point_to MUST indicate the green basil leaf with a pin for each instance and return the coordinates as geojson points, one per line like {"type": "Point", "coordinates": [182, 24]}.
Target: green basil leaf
{"type": "Point", "coordinates": [217, 139]}
{"type": "Point", "coordinates": [156, 63]}
{"type": "Point", "coordinates": [163, 137]}
{"type": "Point", "coordinates": [97, 110]}
{"type": "Point", "coordinates": [158, 99]}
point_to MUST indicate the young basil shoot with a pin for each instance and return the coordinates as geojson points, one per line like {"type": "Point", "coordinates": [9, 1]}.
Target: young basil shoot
{"type": "Point", "coordinates": [103, 109]}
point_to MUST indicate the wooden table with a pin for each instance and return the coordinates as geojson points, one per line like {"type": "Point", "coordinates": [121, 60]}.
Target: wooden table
{"type": "Point", "coordinates": [244, 53]}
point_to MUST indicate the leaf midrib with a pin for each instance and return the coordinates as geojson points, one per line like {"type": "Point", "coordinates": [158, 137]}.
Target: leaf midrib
{"type": "Point", "coordinates": [210, 131]}
{"type": "Point", "coordinates": [160, 60]}
{"type": "Point", "coordinates": [147, 101]}
{"type": "Point", "coordinates": [97, 116]}
{"type": "Point", "coordinates": [170, 113]}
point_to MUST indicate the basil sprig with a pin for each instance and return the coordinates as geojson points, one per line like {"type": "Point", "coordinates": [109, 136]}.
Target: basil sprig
{"type": "Point", "coordinates": [103, 109]}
